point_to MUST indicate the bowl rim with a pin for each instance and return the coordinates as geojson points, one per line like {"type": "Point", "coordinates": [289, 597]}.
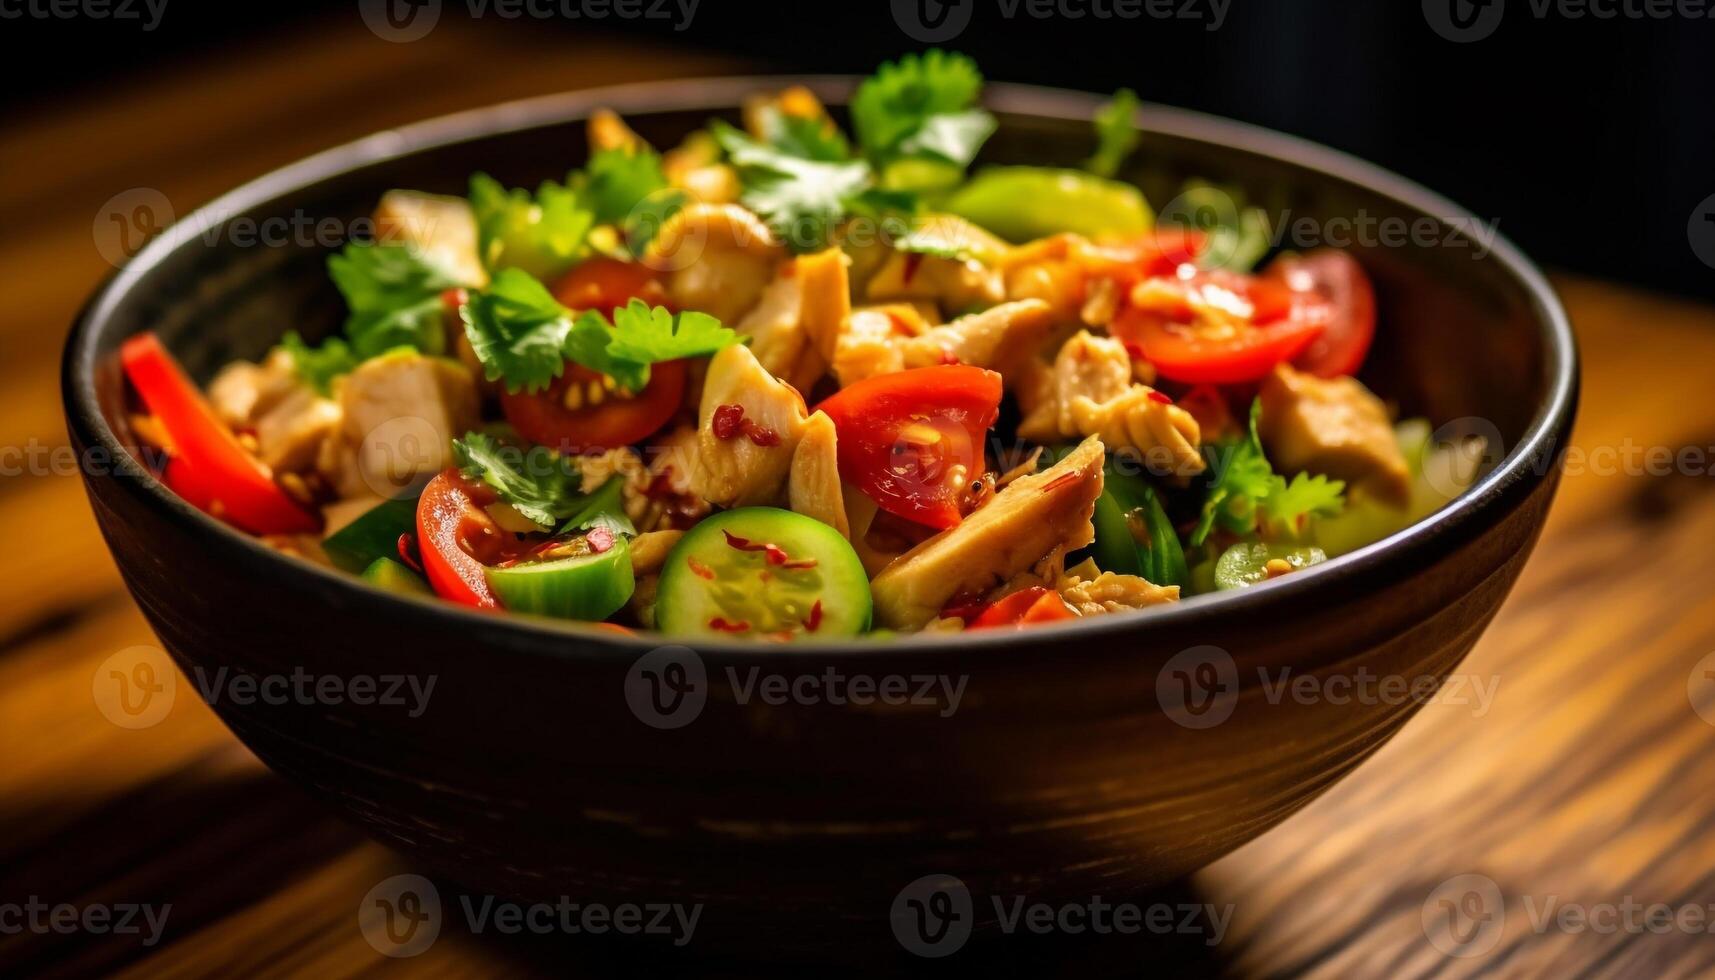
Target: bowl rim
{"type": "Point", "coordinates": [1482, 503]}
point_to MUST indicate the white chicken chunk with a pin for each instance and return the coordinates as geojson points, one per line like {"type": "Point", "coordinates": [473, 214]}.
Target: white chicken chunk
{"type": "Point", "coordinates": [243, 392]}
{"type": "Point", "coordinates": [718, 259]}
{"type": "Point", "coordinates": [814, 486]}
{"type": "Point", "coordinates": [807, 299]}
{"type": "Point", "coordinates": [955, 284]}
{"type": "Point", "coordinates": [748, 427]}
{"type": "Point", "coordinates": [402, 412]}
{"type": "Point", "coordinates": [1110, 592]}
{"type": "Point", "coordinates": [1022, 524]}
{"type": "Point", "coordinates": [442, 228]}
{"type": "Point", "coordinates": [289, 436]}
{"type": "Point", "coordinates": [1088, 391]}
{"type": "Point", "coordinates": [1334, 426]}
{"type": "Point", "coordinates": [880, 341]}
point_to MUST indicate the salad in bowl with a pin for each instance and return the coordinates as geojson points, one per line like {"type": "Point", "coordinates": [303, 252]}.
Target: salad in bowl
{"type": "Point", "coordinates": [784, 381]}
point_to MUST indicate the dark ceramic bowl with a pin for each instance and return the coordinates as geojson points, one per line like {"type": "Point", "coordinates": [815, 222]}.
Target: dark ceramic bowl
{"type": "Point", "coordinates": [1069, 768]}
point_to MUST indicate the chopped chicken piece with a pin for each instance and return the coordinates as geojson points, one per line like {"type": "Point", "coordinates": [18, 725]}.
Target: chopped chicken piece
{"type": "Point", "coordinates": [956, 284]}
{"type": "Point", "coordinates": [1089, 392]}
{"type": "Point", "coordinates": [442, 228]}
{"type": "Point", "coordinates": [881, 341]}
{"type": "Point", "coordinates": [289, 436]}
{"type": "Point", "coordinates": [1334, 426]}
{"type": "Point", "coordinates": [718, 259]}
{"type": "Point", "coordinates": [402, 412]}
{"type": "Point", "coordinates": [694, 167]}
{"type": "Point", "coordinates": [827, 299]}
{"type": "Point", "coordinates": [748, 427]}
{"type": "Point", "coordinates": [1031, 518]}
{"type": "Point", "coordinates": [597, 468]}
{"type": "Point", "coordinates": [1110, 592]}
{"type": "Point", "coordinates": [814, 487]}
{"type": "Point", "coordinates": [807, 297]}
{"type": "Point", "coordinates": [649, 550]}
{"type": "Point", "coordinates": [243, 392]}
{"type": "Point", "coordinates": [608, 131]}
{"type": "Point", "coordinates": [877, 536]}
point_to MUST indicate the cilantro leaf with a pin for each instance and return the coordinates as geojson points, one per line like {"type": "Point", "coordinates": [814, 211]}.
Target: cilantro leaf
{"type": "Point", "coordinates": [899, 101]}
{"type": "Point", "coordinates": [605, 508]}
{"type": "Point", "coordinates": [319, 366]}
{"type": "Point", "coordinates": [1116, 134]}
{"type": "Point", "coordinates": [523, 336]}
{"type": "Point", "coordinates": [812, 138]}
{"type": "Point", "coordinates": [394, 295]}
{"type": "Point", "coordinates": [518, 331]}
{"type": "Point", "coordinates": [1289, 504]}
{"type": "Point", "coordinates": [647, 335]}
{"type": "Point", "coordinates": [954, 137]}
{"type": "Point", "coordinates": [616, 181]}
{"type": "Point", "coordinates": [543, 234]}
{"type": "Point", "coordinates": [1245, 491]}
{"type": "Point", "coordinates": [800, 199]}
{"type": "Point", "coordinates": [538, 483]}
{"type": "Point", "coordinates": [589, 345]}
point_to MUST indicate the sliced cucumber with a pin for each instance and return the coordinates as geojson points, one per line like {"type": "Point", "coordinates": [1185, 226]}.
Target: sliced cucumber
{"type": "Point", "coordinates": [373, 535]}
{"type": "Point", "coordinates": [1246, 563]}
{"type": "Point", "coordinates": [589, 586]}
{"type": "Point", "coordinates": [395, 577]}
{"type": "Point", "coordinates": [762, 571]}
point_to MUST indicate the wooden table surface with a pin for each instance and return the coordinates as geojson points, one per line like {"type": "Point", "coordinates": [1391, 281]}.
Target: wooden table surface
{"type": "Point", "coordinates": [1585, 782]}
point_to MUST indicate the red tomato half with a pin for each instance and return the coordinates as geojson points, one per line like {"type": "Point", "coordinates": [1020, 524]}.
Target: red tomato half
{"type": "Point", "coordinates": [602, 284]}
{"type": "Point", "coordinates": [1033, 605]}
{"type": "Point", "coordinates": [1271, 324]}
{"type": "Point", "coordinates": [456, 538]}
{"type": "Point", "coordinates": [227, 482]}
{"type": "Point", "coordinates": [618, 419]}
{"type": "Point", "coordinates": [1335, 278]}
{"type": "Point", "coordinates": [913, 440]}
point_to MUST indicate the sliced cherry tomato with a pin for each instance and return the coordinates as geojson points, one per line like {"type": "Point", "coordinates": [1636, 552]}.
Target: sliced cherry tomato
{"type": "Point", "coordinates": [913, 440]}
{"type": "Point", "coordinates": [603, 284]}
{"type": "Point", "coordinates": [1033, 605]}
{"type": "Point", "coordinates": [1340, 282]}
{"type": "Point", "coordinates": [1264, 323]}
{"type": "Point", "coordinates": [233, 484]}
{"type": "Point", "coordinates": [456, 538]}
{"type": "Point", "coordinates": [617, 419]}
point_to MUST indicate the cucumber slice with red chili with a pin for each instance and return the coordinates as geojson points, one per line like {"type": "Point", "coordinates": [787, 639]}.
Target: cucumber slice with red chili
{"type": "Point", "coordinates": [587, 577]}
{"type": "Point", "coordinates": [763, 572]}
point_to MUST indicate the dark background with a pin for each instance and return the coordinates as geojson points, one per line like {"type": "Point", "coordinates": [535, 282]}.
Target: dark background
{"type": "Point", "coordinates": [1591, 140]}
